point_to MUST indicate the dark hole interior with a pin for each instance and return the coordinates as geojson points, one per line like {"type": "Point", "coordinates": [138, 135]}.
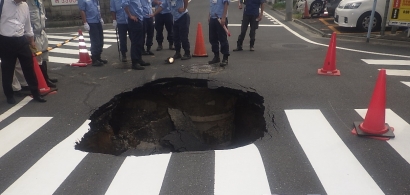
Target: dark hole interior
{"type": "Point", "coordinates": [175, 115]}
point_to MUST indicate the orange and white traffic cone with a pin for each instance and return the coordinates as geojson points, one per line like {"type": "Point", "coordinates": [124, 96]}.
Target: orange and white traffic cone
{"type": "Point", "coordinates": [42, 85]}
{"type": "Point", "coordinates": [200, 50]}
{"type": "Point", "coordinates": [329, 66]}
{"type": "Point", "coordinates": [84, 56]}
{"type": "Point", "coordinates": [374, 125]}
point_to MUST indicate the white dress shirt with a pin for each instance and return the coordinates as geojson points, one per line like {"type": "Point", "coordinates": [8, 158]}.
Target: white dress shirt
{"type": "Point", "coordinates": [15, 20]}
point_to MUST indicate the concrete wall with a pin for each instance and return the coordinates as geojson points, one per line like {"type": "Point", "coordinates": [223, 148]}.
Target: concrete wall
{"type": "Point", "coordinates": [69, 15]}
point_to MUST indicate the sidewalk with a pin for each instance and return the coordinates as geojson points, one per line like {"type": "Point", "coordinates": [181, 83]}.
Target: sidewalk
{"type": "Point", "coordinates": [325, 27]}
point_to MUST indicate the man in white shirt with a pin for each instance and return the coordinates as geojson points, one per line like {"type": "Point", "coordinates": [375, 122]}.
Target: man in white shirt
{"type": "Point", "coordinates": [16, 38]}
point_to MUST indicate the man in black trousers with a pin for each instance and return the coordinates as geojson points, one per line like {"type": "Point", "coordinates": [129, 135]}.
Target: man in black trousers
{"type": "Point", "coordinates": [163, 18]}
{"type": "Point", "coordinates": [16, 38]}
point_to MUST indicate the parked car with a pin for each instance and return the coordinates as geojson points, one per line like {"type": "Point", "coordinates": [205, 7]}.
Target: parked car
{"type": "Point", "coordinates": [356, 13]}
{"type": "Point", "coordinates": [331, 6]}
{"type": "Point", "coordinates": [316, 7]}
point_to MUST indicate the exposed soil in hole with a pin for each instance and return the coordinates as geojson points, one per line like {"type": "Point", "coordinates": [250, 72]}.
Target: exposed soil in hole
{"type": "Point", "coordinates": [175, 115]}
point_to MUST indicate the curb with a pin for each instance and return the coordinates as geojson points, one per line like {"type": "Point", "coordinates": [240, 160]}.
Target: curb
{"type": "Point", "coordinates": [372, 40]}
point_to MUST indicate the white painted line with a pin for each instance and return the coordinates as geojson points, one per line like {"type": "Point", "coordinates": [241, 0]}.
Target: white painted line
{"type": "Point", "coordinates": [62, 60]}
{"type": "Point", "coordinates": [18, 131]}
{"type": "Point", "coordinates": [240, 171]}
{"type": "Point", "coordinates": [401, 131]}
{"type": "Point", "coordinates": [406, 83]}
{"type": "Point", "coordinates": [320, 44]}
{"type": "Point", "coordinates": [15, 108]}
{"type": "Point", "coordinates": [88, 45]}
{"type": "Point", "coordinates": [337, 168]}
{"type": "Point", "coordinates": [140, 175]}
{"type": "Point", "coordinates": [85, 39]}
{"type": "Point", "coordinates": [388, 62]}
{"type": "Point", "coordinates": [47, 174]}
{"type": "Point", "coordinates": [268, 25]}
{"type": "Point", "coordinates": [105, 35]}
{"type": "Point", "coordinates": [394, 72]}
{"type": "Point", "coordinates": [66, 51]}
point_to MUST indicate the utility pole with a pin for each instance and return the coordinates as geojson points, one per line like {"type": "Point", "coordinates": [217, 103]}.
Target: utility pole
{"type": "Point", "coordinates": [289, 11]}
{"type": "Point", "coordinates": [384, 21]}
{"type": "Point", "coordinates": [371, 21]}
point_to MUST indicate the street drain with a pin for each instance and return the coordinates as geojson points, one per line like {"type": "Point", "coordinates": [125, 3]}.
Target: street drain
{"type": "Point", "coordinates": [175, 115]}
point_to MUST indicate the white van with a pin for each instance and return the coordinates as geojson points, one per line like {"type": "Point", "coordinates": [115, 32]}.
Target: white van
{"type": "Point", "coordinates": [356, 13]}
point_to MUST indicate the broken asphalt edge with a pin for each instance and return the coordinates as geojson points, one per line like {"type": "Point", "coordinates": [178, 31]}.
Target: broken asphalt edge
{"type": "Point", "coordinates": [347, 37]}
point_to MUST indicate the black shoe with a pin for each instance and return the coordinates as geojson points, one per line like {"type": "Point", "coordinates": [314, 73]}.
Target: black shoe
{"type": "Point", "coordinates": [186, 57]}
{"type": "Point", "coordinates": [224, 61]}
{"type": "Point", "coordinates": [149, 52]}
{"type": "Point", "coordinates": [137, 67]}
{"type": "Point", "coordinates": [103, 61]}
{"type": "Point", "coordinates": [123, 58]}
{"type": "Point", "coordinates": [53, 80]}
{"type": "Point", "coordinates": [159, 48]}
{"type": "Point", "coordinates": [177, 56]}
{"type": "Point", "coordinates": [11, 100]}
{"type": "Point", "coordinates": [215, 60]}
{"type": "Point", "coordinates": [50, 84]}
{"type": "Point", "coordinates": [144, 53]}
{"type": "Point", "coordinates": [39, 98]}
{"type": "Point", "coordinates": [252, 48]}
{"type": "Point", "coordinates": [142, 63]}
{"type": "Point", "coordinates": [238, 49]}
{"type": "Point", "coordinates": [25, 88]}
{"type": "Point", "coordinates": [171, 46]}
{"type": "Point", "coordinates": [96, 62]}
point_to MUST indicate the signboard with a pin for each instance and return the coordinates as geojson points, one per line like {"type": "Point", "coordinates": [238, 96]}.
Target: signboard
{"type": "Point", "coordinates": [63, 2]}
{"type": "Point", "coordinates": [400, 13]}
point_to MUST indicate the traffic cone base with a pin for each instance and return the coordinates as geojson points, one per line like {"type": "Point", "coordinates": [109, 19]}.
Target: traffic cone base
{"type": "Point", "coordinates": [200, 50]}
{"type": "Point", "coordinates": [79, 64]}
{"type": "Point", "coordinates": [385, 136]}
{"type": "Point", "coordinates": [321, 71]}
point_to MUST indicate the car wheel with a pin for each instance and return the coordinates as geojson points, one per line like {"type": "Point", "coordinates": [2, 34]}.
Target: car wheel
{"type": "Point", "coordinates": [364, 21]}
{"type": "Point", "coordinates": [316, 8]}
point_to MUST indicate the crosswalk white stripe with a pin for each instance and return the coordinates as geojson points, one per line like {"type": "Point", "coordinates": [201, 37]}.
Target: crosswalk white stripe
{"type": "Point", "coordinates": [406, 83]}
{"type": "Point", "coordinates": [18, 131]}
{"type": "Point", "coordinates": [88, 45]}
{"type": "Point", "coordinates": [66, 51]}
{"type": "Point", "coordinates": [105, 35]}
{"type": "Point", "coordinates": [387, 62]}
{"type": "Point", "coordinates": [240, 171]}
{"type": "Point", "coordinates": [46, 175]}
{"type": "Point", "coordinates": [62, 60]}
{"type": "Point", "coordinates": [394, 72]}
{"type": "Point", "coordinates": [140, 175]}
{"type": "Point", "coordinates": [401, 142]}
{"type": "Point", "coordinates": [15, 108]}
{"type": "Point", "coordinates": [268, 25]}
{"type": "Point", "coordinates": [335, 165]}
{"type": "Point", "coordinates": [85, 39]}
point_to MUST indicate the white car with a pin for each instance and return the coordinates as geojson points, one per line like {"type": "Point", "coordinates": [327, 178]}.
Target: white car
{"type": "Point", "coordinates": [356, 13]}
{"type": "Point", "coordinates": [316, 7]}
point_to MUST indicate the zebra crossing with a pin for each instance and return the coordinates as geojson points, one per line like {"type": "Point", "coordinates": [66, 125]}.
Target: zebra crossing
{"type": "Point", "coordinates": [402, 65]}
{"type": "Point", "coordinates": [69, 52]}
{"type": "Point", "coordinates": [236, 171]}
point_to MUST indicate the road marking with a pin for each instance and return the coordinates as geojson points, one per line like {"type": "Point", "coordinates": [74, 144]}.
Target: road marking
{"type": "Point", "coordinates": [330, 26]}
{"type": "Point", "coordinates": [88, 45]}
{"type": "Point", "coordinates": [394, 72]}
{"type": "Point", "coordinates": [18, 131]}
{"type": "Point", "coordinates": [387, 62]}
{"type": "Point", "coordinates": [267, 25]}
{"type": "Point", "coordinates": [401, 141]}
{"type": "Point", "coordinates": [15, 108]}
{"type": "Point", "coordinates": [342, 48]}
{"type": "Point", "coordinates": [406, 83]}
{"type": "Point", "coordinates": [105, 35]}
{"type": "Point", "coordinates": [62, 60]}
{"type": "Point", "coordinates": [66, 51]}
{"type": "Point", "coordinates": [140, 175]}
{"type": "Point", "coordinates": [47, 174]}
{"type": "Point", "coordinates": [337, 168]}
{"type": "Point", "coordinates": [85, 39]}
{"type": "Point", "coordinates": [240, 171]}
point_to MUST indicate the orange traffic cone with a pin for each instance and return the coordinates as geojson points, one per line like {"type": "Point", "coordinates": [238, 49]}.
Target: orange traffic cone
{"type": "Point", "coordinates": [374, 124]}
{"type": "Point", "coordinates": [42, 85]}
{"type": "Point", "coordinates": [200, 50]}
{"type": "Point", "coordinates": [329, 66]}
{"type": "Point", "coordinates": [306, 11]}
{"type": "Point", "coordinates": [84, 55]}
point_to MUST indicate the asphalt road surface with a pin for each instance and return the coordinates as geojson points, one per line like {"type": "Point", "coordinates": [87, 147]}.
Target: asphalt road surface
{"type": "Point", "coordinates": [308, 150]}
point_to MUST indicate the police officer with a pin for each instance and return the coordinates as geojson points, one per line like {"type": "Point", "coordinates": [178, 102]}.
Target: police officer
{"type": "Point", "coordinates": [133, 9]}
{"type": "Point", "coordinates": [38, 22]}
{"type": "Point", "coordinates": [119, 21]}
{"type": "Point", "coordinates": [217, 19]}
{"type": "Point", "coordinates": [91, 16]}
{"type": "Point", "coordinates": [251, 16]}
{"type": "Point", "coordinates": [161, 19]}
{"type": "Point", "coordinates": [148, 24]}
{"type": "Point", "coordinates": [181, 26]}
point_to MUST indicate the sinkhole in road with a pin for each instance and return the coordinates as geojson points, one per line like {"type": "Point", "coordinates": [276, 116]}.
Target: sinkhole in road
{"type": "Point", "coordinates": [175, 115]}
